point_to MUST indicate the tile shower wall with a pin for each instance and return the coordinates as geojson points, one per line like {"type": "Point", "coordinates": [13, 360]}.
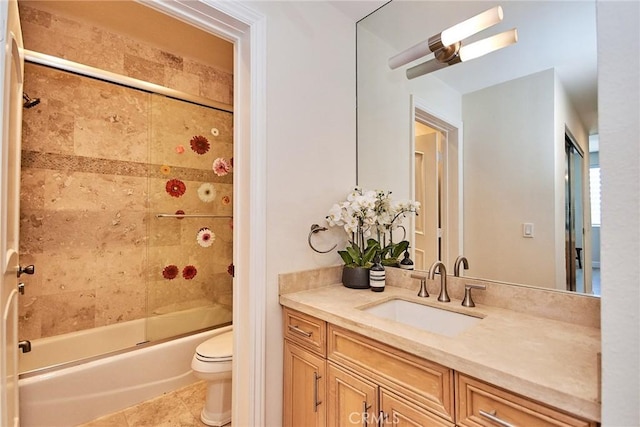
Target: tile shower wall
{"type": "Point", "coordinates": [98, 47]}
{"type": "Point", "coordinates": [97, 162]}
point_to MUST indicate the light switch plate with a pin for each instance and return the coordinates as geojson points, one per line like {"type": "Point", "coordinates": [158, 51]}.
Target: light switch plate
{"type": "Point", "coordinates": [527, 229]}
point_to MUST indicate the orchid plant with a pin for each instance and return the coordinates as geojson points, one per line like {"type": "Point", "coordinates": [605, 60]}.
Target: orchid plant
{"type": "Point", "coordinates": [368, 217]}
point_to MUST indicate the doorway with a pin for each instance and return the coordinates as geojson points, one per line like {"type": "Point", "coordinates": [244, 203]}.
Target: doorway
{"type": "Point", "coordinates": [574, 217]}
{"type": "Point", "coordinates": [437, 184]}
{"type": "Point", "coordinates": [428, 192]}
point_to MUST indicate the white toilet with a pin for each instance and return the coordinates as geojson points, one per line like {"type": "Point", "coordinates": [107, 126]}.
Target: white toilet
{"type": "Point", "coordinates": [212, 363]}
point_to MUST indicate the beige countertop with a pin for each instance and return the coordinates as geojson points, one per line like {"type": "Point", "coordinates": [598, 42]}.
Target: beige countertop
{"type": "Point", "coordinates": [550, 361]}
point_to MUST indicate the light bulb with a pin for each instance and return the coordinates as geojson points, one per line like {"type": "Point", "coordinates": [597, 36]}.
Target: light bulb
{"type": "Point", "coordinates": [471, 26]}
{"type": "Point", "coordinates": [490, 44]}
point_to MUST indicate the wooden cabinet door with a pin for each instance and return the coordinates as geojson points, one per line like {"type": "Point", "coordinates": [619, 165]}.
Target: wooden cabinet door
{"type": "Point", "coordinates": [304, 388]}
{"type": "Point", "coordinates": [396, 411]}
{"type": "Point", "coordinates": [352, 400]}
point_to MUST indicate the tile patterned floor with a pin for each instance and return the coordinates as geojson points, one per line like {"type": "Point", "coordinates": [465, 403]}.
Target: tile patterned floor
{"type": "Point", "coordinates": [175, 409]}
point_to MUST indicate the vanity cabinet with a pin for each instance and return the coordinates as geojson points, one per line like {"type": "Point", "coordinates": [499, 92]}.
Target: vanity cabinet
{"type": "Point", "coordinates": [336, 377]}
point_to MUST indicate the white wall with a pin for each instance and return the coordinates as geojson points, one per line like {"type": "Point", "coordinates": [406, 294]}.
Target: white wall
{"type": "Point", "coordinates": [514, 158]}
{"type": "Point", "coordinates": [310, 148]}
{"type": "Point", "coordinates": [619, 107]}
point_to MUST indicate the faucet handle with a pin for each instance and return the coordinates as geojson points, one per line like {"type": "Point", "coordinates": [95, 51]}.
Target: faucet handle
{"type": "Point", "coordinates": [423, 285]}
{"type": "Point", "coordinates": [468, 301]}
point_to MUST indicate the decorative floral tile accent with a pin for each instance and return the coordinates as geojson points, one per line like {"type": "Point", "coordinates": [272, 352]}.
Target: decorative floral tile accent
{"type": "Point", "coordinates": [165, 169]}
{"type": "Point", "coordinates": [205, 237]}
{"type": "Point", "coordinates": [175, 187]}
{"type": "Point", "coordinates": [170, 272]}
{"type": "Point", "coordinates": [189, 272]}
{"type": "Point", "coordinates": [215, 131]}
{"type": "Point", "coordinates": [180, 149]}
{"type": "Point", "coordinates": [231, 270]}
{"type": "Point", "coordinates": [221, 167]}
{"type": "Point", "coordinates": [207, 192]}
{"type": "Point", "coordinates": [200, 144]}
{"type": "Point", "coordinates": [179, 212]}
{"type": "Point", "coordinates": [225, 200]}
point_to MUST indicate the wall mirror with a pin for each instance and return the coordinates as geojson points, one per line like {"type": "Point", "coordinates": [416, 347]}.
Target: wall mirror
{"type": "Point", "coordinates": [500, 150]}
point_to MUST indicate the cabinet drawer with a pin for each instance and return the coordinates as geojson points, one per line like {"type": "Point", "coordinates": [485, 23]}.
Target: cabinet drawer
{"type": "Point", "coordinates": [481, 404]}
{"type": "Point", "coordinates": [422, 382]}
{"type": "Point", "coordinates": [305, 330]}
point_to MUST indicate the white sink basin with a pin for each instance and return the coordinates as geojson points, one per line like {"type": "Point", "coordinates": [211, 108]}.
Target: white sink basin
{"type": "Point", "coordinates": [427, 318]}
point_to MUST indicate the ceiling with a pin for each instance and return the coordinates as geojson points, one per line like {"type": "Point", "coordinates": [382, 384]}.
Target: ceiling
{"type": "Point", "coordinates": [551, 34]}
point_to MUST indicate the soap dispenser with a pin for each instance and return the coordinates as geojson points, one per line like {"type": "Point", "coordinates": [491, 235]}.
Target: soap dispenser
{"type": "Point", "coordinates": [377, 275]}
{"type": "Point", "coordinates": [406, 263]}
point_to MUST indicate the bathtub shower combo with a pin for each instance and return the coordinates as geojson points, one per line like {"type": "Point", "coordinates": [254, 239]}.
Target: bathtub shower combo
{"type": "Point", "coordinates": [126, 213]}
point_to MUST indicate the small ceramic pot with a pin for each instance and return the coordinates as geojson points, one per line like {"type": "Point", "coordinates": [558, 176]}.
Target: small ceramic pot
{"type": "Point", "coordinates": [355, 277]}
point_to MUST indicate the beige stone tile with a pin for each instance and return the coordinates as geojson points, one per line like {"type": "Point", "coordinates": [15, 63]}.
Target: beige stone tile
{"type": "Point", "coordinates": [217, 85]}
{"type": "Point", "coordinates": [45, 129]}
{"type": "Point", "coordinates": [67, 312]}
{"type": "Point", "coordinates": [144, 69]}
{"type": "Point", "coordinates": [83, 31]}
{"type": "Point", "coordinates": [182, 81]}
{"type": "Point", "coordinates": [58, 272]}
{"type": "Point", "coordinates": [94, 191]}
{"type": "Point", "coordinates": [122, 291]}
{"type": "Point", "coordinates": [193, 396]}
{"type": "Point", "coordinates": [112, 420]}
{"type": "Point", "coordinates": [170, 60]}
{"type": "Point", "coordinates": [31, 231]}
{"type": "Point", "coordinates": [116, 125]}
{"type": "Point", "coordinates": [32, 188]}
{"type": "Point", "coordinates": [93, 231]}
{"type": "Point", "coordinates": [309, 279]}
{"type": "Point", "coordinates": [29, 316]}
{"type": "Point", "coordinates": [34, 16]}
{"type": "Point", "coordinates": [175, 123]}
{"type": "Point", "coordinates": [164, 411]}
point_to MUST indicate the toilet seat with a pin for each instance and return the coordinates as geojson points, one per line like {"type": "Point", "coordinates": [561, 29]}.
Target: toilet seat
{"type": "Point", "coordinates": [216, 349]}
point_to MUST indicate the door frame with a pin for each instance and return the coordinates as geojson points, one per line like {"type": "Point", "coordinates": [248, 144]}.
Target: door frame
{"type": "Point", "coordinates": [11, 94]}
{"type": "Point", "coordinates": [246, 29]}
{"type": "Point", "coordinates": [453, 179]}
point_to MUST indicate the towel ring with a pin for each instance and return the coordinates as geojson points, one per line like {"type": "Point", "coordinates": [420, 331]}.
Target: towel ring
{"type": "Point", "coordinates": [315, 228]}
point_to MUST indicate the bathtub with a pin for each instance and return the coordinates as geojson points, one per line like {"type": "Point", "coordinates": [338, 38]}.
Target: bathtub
{"type": "Point", "coordinates": [72, 394]}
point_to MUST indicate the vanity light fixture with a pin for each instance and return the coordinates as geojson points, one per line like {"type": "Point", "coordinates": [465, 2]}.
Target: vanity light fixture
{"type": "Point", "coordinates": [447, 46]}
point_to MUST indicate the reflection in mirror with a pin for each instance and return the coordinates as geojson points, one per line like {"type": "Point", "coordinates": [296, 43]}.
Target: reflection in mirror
{"type": "Point", "coordinates": [502, 194]}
